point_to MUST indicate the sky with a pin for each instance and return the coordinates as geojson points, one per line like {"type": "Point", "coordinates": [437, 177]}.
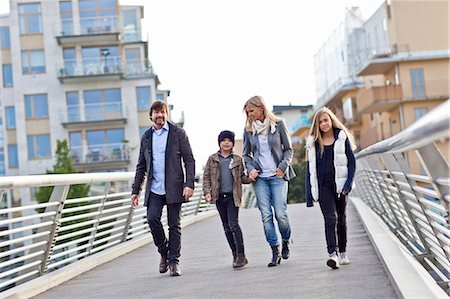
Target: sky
{"type": "Point", "coordinates": [213, 55]}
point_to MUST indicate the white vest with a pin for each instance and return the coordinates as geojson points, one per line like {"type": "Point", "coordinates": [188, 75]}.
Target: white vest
{"type": "Point", "coordinates": [340, 164]}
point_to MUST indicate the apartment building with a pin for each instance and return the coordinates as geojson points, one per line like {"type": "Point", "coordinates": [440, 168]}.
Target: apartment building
{"type": "Point", "coordinates": [76, 70]}
{"type": "Point", "coordinates": [382, 74]}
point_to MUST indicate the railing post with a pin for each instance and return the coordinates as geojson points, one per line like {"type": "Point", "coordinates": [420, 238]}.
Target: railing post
{"type": "Point", "coordinates": [436, 167]}
{"type": "Point", "coordinates": [97, 219]}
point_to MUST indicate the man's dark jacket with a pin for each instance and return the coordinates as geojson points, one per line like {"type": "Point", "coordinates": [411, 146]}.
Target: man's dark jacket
{"type": "Point", "coordinates": [178, 151]}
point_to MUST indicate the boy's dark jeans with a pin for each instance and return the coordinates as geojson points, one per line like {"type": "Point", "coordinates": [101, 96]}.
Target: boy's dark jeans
{"type": "Point", "coordinates": [333, 206]}
{"type": "Point", "coordinates": [229, 214]}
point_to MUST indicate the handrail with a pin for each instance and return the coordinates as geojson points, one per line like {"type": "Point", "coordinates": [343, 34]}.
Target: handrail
{"type": "Point", "coordinates": [431, 127]}
{"type": "Point", "coordinates": [33, 244]}
{"type": "Point", "coordinates": [406, 181]}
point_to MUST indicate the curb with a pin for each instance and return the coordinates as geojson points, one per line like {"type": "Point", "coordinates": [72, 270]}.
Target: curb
{"type": "Point", "coordinates": [409, 279]}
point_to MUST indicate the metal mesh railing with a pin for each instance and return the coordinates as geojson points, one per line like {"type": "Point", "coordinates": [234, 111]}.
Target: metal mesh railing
{"type": "Point", "coordinates": [36, 239]}
{"type": "Point", "coordinates": [406, 181]}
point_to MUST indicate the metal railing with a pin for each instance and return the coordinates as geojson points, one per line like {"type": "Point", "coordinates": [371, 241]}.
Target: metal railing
{"type": "Point", "coordinates": [406, 180]}
{"type": "Point", "coordinates": [36, 239]}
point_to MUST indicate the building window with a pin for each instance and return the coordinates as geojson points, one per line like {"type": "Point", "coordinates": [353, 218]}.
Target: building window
{"type": "Point", "coordinates": [143, 96]}
{"type": "Point", "coordinates": [36, 106]}
{"type": "Point", "coordinates": [5, 41]}
{"type": "Point", "coordinates": [419, 112]}
{"type": "Point", "coordinates": [105, 143]}
{"type": "Point", "coordinates": [33, 61]}
{"type": "Point", "coordinates": [76, 147]}
{"type": "Point", "coordinates": [417, 83]}
{"type": "Point", "coordinates": [130, 25]}
{"type": "Point", "coordinates": [13, 156]}
{"type": "Point", "coordinates": [97, 16]}
{"type": "Point", "coordinates": [160, 96]}
{"type": "Point", "coordinates": [30, 18]}
{"type": "Point", "coordinates": [38, 146]}
{"type": "Point", "coordinates": [142, 130]}
{"type": "Point", "coordinates": [73, 106]}
{"type": "Point", "coordinates": [102, 104]}
{"type": "Point", "coordinates": [65, 10]}
{"type": "Point", "coordinates": [7, 75]}
{"type": "Point", "coordinates": [70, 63]}
{"type": "Point", "coordinates": [10, 113]}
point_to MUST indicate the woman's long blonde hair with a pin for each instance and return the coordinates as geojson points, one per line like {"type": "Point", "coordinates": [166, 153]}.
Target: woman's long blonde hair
{"type": "Point", "coordinates": [258, 101]}
{"type": "Point", "coordinates": [336, 123]}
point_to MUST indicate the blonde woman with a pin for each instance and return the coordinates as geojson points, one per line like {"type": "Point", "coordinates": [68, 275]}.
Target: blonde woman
{"type": "Point", "coordinates": [267, 155]}
{"type": "Point", "coordinates": [329, 176]}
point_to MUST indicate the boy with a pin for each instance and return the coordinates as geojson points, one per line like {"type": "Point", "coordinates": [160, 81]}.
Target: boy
{"type": "Point", "coordinates": [222, 184]}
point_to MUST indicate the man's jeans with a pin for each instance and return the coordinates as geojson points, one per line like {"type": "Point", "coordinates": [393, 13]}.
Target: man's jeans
{"type": "Point", "coordinates": [172, 247]}
{"type": "Point", "coordinates": [271, 192]}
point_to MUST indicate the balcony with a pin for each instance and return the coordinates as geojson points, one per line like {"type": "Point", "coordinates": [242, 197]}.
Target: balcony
{"type": "Point", "coordinates": [113, 68]}
{"type": "Point", "coordinates": [379, 99]}
{"type": "Point", "coordinates": [100, 157]}
{"type": "Point", "coordinates": [97, 30]}
{"type": "Point", "coordinates": [90, 115]}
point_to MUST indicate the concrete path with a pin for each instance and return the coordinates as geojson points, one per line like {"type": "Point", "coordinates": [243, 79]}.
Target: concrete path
{"type": "Point", "coordinates": [207, 272]}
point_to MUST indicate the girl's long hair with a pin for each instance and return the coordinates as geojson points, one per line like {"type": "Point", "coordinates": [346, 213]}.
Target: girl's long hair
{"type": "Point", "coordinates": [258, 101]}
{"type": "Point", "coordinates": [336, 123]}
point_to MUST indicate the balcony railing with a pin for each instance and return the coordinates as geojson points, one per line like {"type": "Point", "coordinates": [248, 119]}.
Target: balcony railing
{"type": "Point", "coordinates": [110, 67]}
{"type": "Point", "coordinates": [88, 26]}
{"type": "Point", "coordinates": [93, 112]}
{"type": "Point", "coordinates": [379, 99]}
{"type": "Point", "coordinates": [100, 153]}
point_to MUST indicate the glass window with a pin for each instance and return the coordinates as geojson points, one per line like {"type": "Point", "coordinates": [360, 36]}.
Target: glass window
{"type": "Point", "coordinates": [65, 10]}
{"type": "Point", "coordinates": [38, 146]}
{"type": "Point", "coordinates": [10, 113]}
{"type": "Point", "coordinates": [97, 15]}
{"type": "Point", "coordinates": [142, 130]}
{"type": "Point", "coordinates": [13, 156]}
{"type": "Point", "coordinates": [30, 18]}
{"type": "Point", "coordinates": [76, 148]}
{"type": "Point", "coordinates": [419, 112]}
{"type": "Point", "coordinates": [417, 83]}
{"type": "Point", "coordinates": [130, 25]}
{"type": "Point", "coordinates": [134, 64]}
{"type": "Point", "coordinates": [143, 96]}
{"type": "Point", "coordinates": [33, 61]}
{"type": "Point", "coordinates": [5, 41]}
{"type": "Point", "coordinates": [100, 59]}
{"type": "Point", "coordinates": [36, 106]}
{"type": "Point", "coordinates": [73, 107]}
{"type": "Point", "coordinates": [7, 75]}
{"type": "Point", "coordinates": [69, 61]}
{"type": "Point", "coordinates": [160, 96]}
{"type": "Point", "coordinates": [98, 103]}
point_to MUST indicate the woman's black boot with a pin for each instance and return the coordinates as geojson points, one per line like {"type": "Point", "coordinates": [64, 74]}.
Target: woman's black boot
{"type": "Point", "coordinates": [276, 257]}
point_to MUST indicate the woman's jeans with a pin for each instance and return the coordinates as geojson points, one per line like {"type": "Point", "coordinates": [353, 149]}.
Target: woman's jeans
{"type": "Point", "coordinates": [229, 214]}
{"type": "Point", "coordinates": [271, 193]}
{"type": "Point", "coordinates": [335, 218]}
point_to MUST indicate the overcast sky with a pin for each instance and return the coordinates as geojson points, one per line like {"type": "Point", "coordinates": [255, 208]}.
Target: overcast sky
{"type": "Point", "coordinates": [214, 54]}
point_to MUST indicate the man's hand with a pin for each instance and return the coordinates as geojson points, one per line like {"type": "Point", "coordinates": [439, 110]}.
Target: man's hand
{"type": "Point", "coordinates": [134, 200]}
{"type": "Point", "coordinates": [208, 198]}
{"type": "Point", "coordinates": [187, 193]}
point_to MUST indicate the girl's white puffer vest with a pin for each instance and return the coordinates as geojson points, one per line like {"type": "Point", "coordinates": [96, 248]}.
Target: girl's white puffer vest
{"type": "Point", "coordinates": [340, 164]}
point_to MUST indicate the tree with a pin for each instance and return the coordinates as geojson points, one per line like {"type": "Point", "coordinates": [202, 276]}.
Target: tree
{"type": "Point", "coordinates": [296, 191]}
{"type": "Point", "coordinates": [63, 165]}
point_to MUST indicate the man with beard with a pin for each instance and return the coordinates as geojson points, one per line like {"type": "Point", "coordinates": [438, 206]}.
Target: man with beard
{"type": "Point", "coordinates": [163, 149]}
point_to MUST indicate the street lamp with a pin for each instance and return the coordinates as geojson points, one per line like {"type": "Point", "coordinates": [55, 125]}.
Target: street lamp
{"type": "Point", "coordinates": [105, 54]}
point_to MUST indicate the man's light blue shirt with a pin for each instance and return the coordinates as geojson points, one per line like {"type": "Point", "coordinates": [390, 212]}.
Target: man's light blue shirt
{"type": "Point", "coordinates": [159, 142]}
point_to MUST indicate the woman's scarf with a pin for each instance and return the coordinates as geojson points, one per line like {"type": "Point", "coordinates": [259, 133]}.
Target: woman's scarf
{"type": "Point", "coordinates": [262, 127]}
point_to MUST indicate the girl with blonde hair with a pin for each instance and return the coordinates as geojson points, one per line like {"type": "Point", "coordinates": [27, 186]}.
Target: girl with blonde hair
{"type": "Point", "coordinates": [267, 155]}
{"type": "Point", "coordinates": [329, 176]}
